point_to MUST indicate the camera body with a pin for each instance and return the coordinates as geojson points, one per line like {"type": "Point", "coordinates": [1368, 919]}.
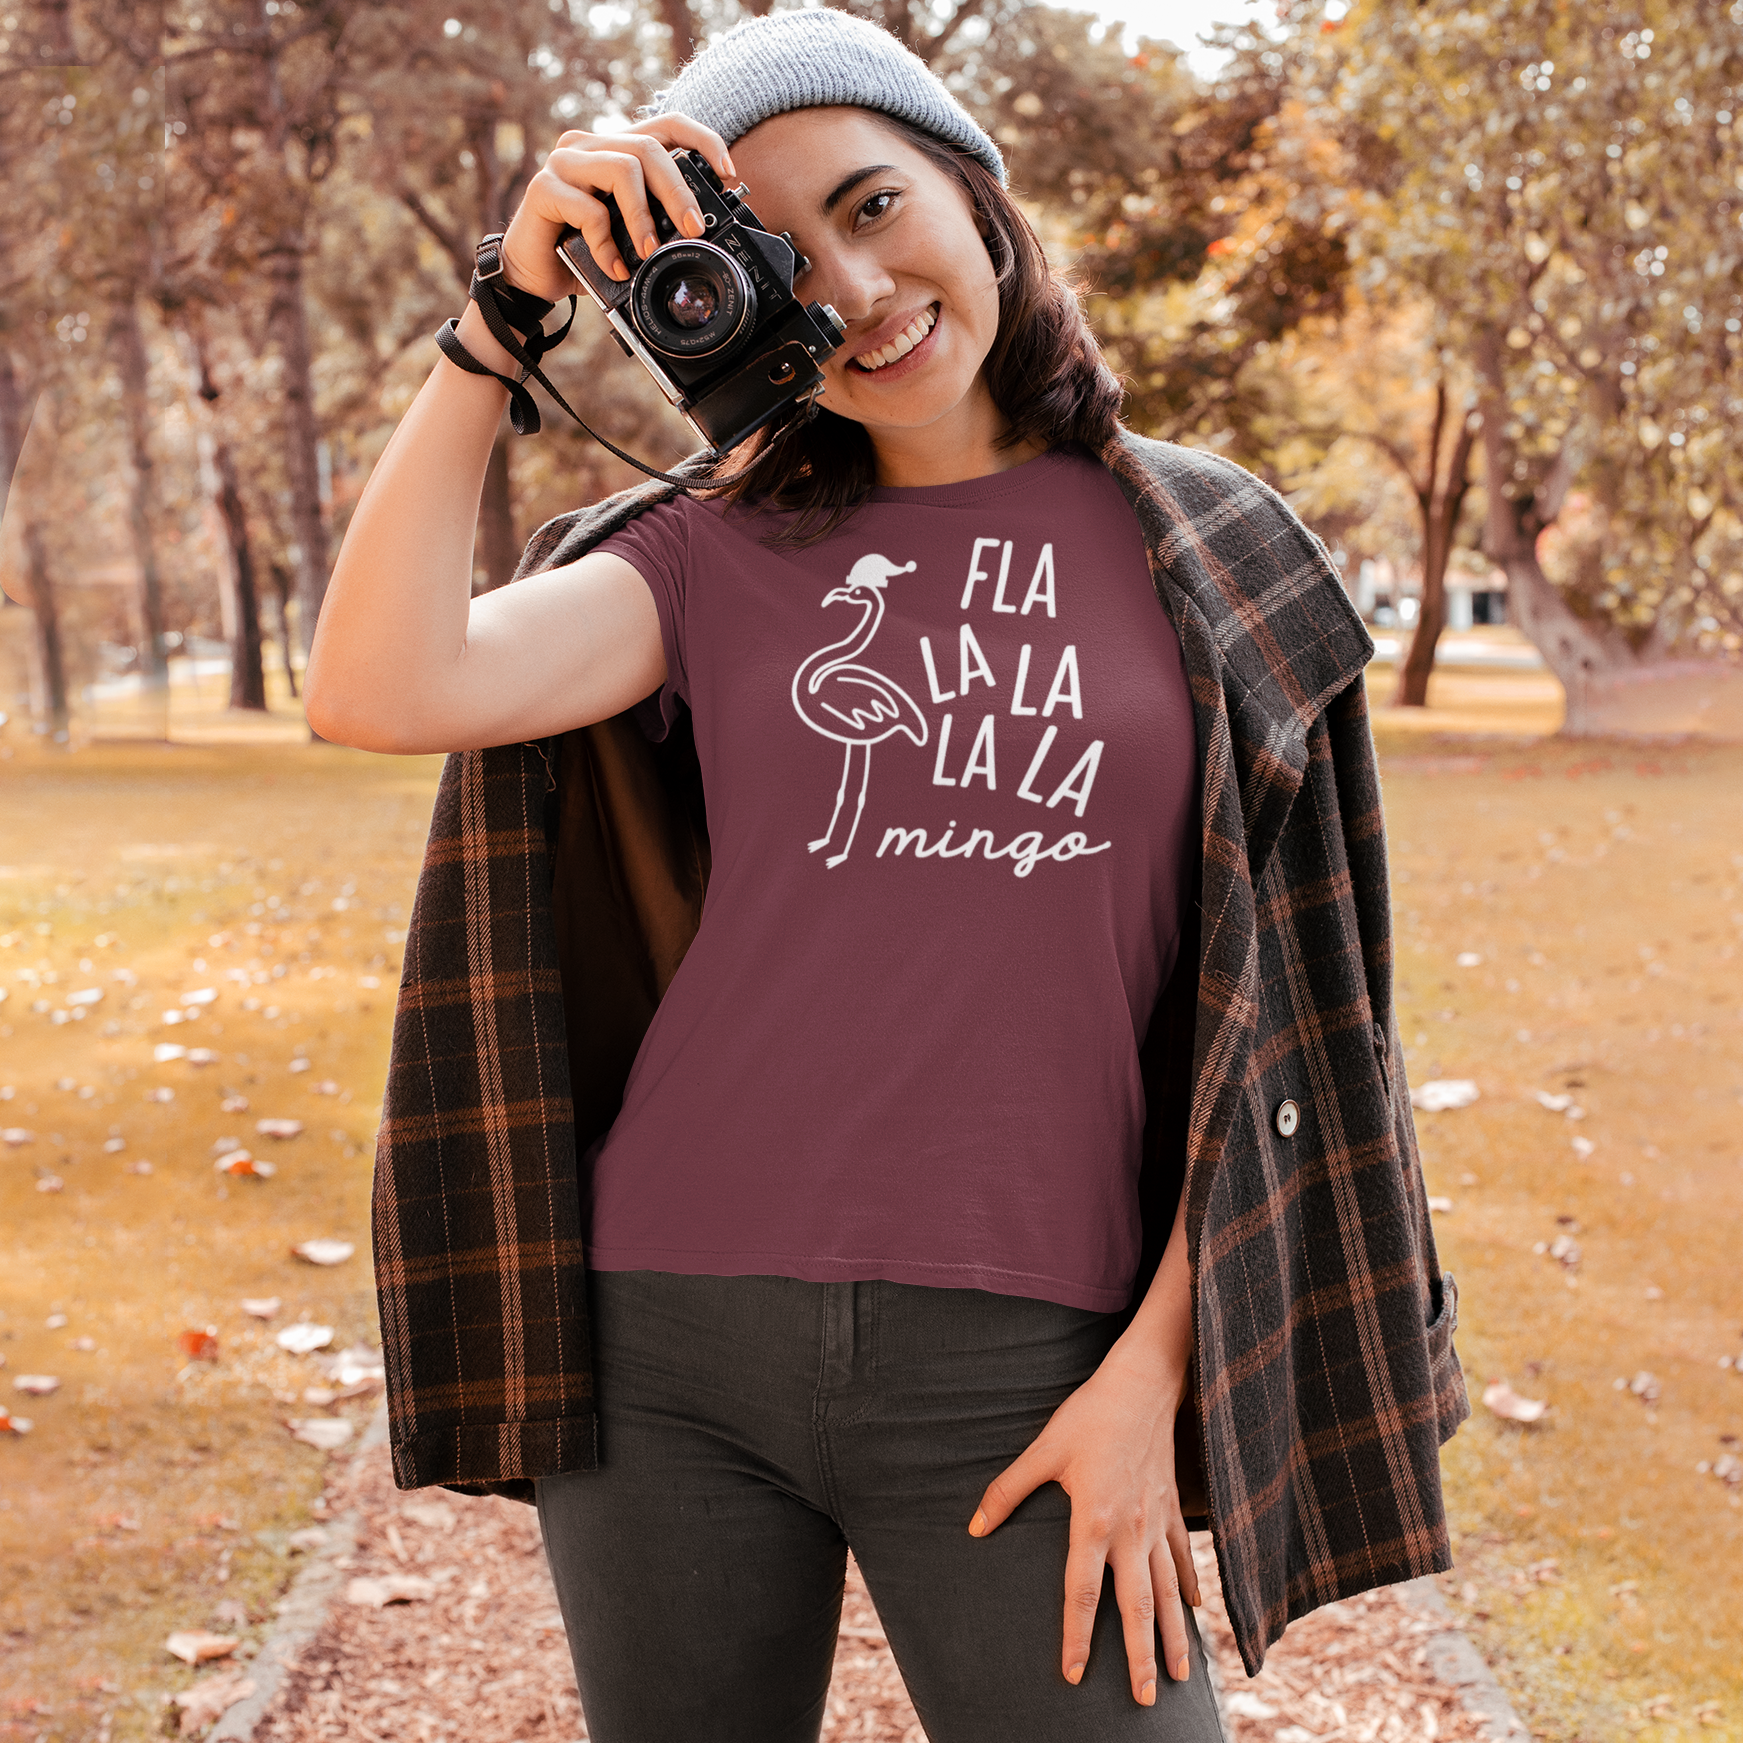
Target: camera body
{"type": "Point", "coordinates": [714, 319]}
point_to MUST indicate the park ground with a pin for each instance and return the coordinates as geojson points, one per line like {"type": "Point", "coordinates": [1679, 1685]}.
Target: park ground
{"type": "Point", "coordinates": [1569, 924]}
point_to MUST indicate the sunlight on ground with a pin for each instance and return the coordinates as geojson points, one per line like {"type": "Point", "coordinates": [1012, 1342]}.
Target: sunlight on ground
{"type": "Point", "coordinates": [1600, 887]}
{"type": "Point", "coordinates": [154, 1492]}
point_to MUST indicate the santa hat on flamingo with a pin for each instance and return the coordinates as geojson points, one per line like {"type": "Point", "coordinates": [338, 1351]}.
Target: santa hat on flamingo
{"type": "Point", "coordinates": [875, 571]}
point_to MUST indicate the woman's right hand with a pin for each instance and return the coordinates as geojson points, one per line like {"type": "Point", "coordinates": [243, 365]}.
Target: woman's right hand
{"type": "Point", "coordinates": [570, 191]}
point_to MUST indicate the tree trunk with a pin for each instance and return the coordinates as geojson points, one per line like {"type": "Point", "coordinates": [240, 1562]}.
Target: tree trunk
{"type": "Point", "coordinates": [51, 661]}
{"type": "Point", "coordinates": [1581, 652]}
{"type": "Point", "coordinates": [288, 322]}
{"type": "Point", "coordinates": [498, 546]}
{"type": "Point", "coordinates": [1440, 505]}
{"type": "Point", "coordinates": [281, 584]}
{"type": "Point", "coordinates": [130, 355]}
{"type": "Point", "coordinates": [15, 409]}
{"type": "Point", "coordinates": [676, 14]}
{"type": "Point", "coordinates": [247, 675]}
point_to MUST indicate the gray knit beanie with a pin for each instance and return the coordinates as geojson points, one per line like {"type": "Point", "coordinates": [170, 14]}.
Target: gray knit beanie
{"type": "Point", "coordinates": [811, 58]}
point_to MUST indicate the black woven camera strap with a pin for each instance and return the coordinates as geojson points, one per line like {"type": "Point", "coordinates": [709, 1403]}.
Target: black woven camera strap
{"type": "Point", "coordinates": [528, 350]}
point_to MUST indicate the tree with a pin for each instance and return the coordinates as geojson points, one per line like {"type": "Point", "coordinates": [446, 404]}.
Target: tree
{"type": "Point", "coordinates": [1561, 182]}
{"type": "Point", "coordinates": [460, 119]}
{"type": "Point", "coordinates": [254, 111]}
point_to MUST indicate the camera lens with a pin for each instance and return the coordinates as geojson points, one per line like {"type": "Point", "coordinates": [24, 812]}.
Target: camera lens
{"type": "Point", "coordinates": [692, 300]}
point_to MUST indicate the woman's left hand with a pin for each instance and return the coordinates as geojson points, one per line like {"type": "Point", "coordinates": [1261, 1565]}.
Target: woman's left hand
{"type": "Point", "coordinates": [1110, 1446]}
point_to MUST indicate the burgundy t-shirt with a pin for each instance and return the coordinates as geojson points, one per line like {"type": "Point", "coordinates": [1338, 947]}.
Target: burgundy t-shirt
{"type": "Point", "coordinates": [950, 775]}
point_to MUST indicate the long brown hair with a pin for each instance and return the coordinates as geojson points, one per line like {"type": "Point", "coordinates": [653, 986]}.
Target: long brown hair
{"type": "Point", "coordinates": [1045, 373]}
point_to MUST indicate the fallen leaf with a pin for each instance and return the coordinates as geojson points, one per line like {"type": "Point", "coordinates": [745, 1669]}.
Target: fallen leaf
{"type": "Point", "coordinates": [324, 1433]}
{"type": "Point", "coordinates": [261, 1306]}
{"type": "Point", "coordinates": [307, 1541]}
{"type": "Point", "coordinates": [1245, 1706]}
{"type": "Point", "coordinates": [195, 1646]}
{"type": "Point", "coordinates": [211, 1699]}
{"type": "Point", "coordinates": [37, 1385]}
{"type": "Point", "coordinates": [278, 1128]}
{"type": "Point", "coordinates": [10, 1424]}
{"type": "Point", "coordinates": [1443, 1093]}
{"type": "Point", "coordinates": [389, 1589]}
{"type": "Point", "coordinates": [240, 1163]}
{"type": "Point", "coordinates": [432, 1515]}
{"type": "Point", "coordinates": [233, 1104]}
{"type": "Point", "coordinates": [302, 1339]}
{"type": "Point", "coordinates": [199, 1346]}
{"type": "Point", "coordinates": [323, 1252]}
{"type": "Point", "coordinates": [355, 1366]}
{"type": "Point", "coordinates": [1510, 1406]}
{"type": "Point", "coordinates": [1644, 1386]}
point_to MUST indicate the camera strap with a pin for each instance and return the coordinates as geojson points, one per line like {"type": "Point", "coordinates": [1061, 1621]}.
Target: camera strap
{"type": "Point", "coordinates": [506, 310]}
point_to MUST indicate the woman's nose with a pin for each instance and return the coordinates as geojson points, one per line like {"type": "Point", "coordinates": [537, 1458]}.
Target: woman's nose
{"type": "Point", "coordinates": [854, 284]}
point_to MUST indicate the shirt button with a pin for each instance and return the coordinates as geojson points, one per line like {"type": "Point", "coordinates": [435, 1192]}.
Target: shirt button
{"type": "Point", "coordinates": [1287, 1118]}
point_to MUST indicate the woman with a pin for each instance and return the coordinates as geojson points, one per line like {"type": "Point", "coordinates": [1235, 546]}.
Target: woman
{"type": "Point", "coordinates": [1016, 1107]}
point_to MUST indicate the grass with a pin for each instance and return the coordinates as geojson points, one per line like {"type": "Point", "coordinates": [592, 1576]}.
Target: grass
{"type": "Point", "coordinates": [1601, 887]}
{"type": "Point", "coordinates": [155, 1493]}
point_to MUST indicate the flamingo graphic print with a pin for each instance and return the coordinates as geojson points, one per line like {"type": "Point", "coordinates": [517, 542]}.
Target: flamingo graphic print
{"type": "Point", "coordinates": [853, 704]}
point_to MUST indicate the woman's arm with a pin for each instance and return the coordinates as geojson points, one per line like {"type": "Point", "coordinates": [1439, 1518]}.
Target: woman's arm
{"type": "Point", "coordinates": [1110, 1446]}
{"type": "Point", "coordinates": [404, 658]}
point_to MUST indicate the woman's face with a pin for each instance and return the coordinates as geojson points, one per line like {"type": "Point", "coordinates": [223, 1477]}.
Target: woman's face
{"type": "Point", "coordinates": [894, 248]}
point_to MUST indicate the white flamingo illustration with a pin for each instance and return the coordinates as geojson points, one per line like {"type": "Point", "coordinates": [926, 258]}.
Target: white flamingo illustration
{"type": "Point", "coordinates": [850, 703]}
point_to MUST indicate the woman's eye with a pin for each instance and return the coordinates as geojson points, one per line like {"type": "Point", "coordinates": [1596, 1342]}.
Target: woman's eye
{"type": "Point", "coordinates": [877, 206]}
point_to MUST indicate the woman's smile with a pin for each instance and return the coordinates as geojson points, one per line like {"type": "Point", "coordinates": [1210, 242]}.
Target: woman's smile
{"type": "Point", "coordinates": [893, 358]}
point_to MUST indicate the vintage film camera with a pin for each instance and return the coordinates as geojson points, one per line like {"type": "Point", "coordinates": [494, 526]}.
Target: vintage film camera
{"type": "Point", "coordinates": [714, 320]}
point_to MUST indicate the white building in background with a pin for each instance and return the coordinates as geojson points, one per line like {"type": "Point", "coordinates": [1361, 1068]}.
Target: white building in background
{"type": "Point", "coordinates": [1389, 597]}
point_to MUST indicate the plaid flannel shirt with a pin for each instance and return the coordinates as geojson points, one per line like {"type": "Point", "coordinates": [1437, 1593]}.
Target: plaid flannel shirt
{"type": "Point", "coordinates": [563, 881]}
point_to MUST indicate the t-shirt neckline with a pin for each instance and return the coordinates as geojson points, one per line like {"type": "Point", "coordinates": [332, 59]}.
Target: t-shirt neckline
{"type": "Point", "coordinates": [972, 492]}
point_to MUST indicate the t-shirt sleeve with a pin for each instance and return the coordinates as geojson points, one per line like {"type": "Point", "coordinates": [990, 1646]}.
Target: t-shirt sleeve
{"type": "Point", "coordinates": [656, 545]}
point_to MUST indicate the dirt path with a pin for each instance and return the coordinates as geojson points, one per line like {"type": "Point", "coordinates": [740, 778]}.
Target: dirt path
{"type": "Point", "coordinates": [484, 1657]}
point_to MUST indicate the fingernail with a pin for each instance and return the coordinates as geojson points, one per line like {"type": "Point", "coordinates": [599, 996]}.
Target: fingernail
{"type": "Point", "coordinates": [1196, 1599]}
{"type": "Point", "coordinates": [1147, 1694]}
{"type": "Point", "coordinates": [1183, 1669]}
{"type": "Point", "coordinates": [1075, 1674]}
{"type": "Point", "coordinates": [648, 244]}
{"type": "Point", "coordinates": [977, 1525]}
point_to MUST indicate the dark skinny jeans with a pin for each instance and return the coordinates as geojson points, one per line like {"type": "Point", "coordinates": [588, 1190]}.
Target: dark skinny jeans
{"type": "Point", "coordinates": [752, 1429]}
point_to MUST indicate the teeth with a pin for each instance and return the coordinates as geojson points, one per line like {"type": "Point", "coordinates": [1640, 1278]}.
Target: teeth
{"type": "Point", "coordinates": [902, 344]}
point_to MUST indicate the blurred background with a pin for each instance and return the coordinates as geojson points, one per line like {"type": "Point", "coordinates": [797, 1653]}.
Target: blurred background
{"type": "Point", "coordinates": [1464, 281]}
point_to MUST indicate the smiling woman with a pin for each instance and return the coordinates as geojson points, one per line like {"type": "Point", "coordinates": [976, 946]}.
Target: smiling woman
{"type": "Point", "coordinates": [948, 298]}
{"type": "Point", "coordinates": [776, 1158]}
